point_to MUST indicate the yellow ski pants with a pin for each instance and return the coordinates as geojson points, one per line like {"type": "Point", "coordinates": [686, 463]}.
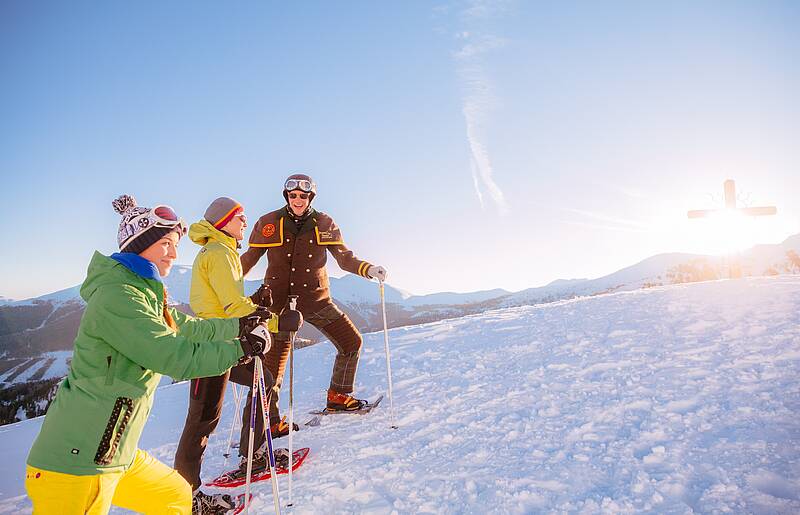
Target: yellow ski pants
{"type": "Point", "coordinates": [148, 486]}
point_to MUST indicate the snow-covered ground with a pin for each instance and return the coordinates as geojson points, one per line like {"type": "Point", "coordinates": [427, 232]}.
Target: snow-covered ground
{"type": "Point", "coordinates": [56, 364]}
{"type": "Point", "coordinates": [680, 399]}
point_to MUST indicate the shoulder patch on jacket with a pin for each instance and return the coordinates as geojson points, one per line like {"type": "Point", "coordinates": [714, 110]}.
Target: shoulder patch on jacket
{"type": "Point", "coordinates": [268, 232]}
{"type": "Point", "coordinates": [327, 231]}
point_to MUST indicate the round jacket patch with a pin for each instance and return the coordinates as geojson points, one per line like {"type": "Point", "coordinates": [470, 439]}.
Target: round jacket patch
{"type": "Point", "coordinates": [268, 230]}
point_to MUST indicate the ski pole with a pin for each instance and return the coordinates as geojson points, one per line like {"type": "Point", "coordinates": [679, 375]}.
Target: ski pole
{"type": "Point", "coordinates": [388, 358]}
{"type": "Point", "coordinates": [251, 437]}
{"type": "Point", "coordinates": [292, 306]}
{"type": "Point", "coordinates": [265, 415]}
{"type": "Point", "coordinates": [237, 401]}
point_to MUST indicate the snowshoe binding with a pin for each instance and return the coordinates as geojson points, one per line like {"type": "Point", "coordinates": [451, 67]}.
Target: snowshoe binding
{"type": "Point", "coordinates": [281, 428]}
{"type": "Point", "coordinates": [261, 462]}
{"type": "Point", "coordinates": [212, 504]}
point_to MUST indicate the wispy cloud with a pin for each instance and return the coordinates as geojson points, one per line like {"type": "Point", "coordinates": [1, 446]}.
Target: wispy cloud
{"type": "Point", "coordinates": [473, 48]}
{"type": "Point", "coordinates": [484, 9]}
{"type": "Point", "coordinates": [475, 181]}
{"type": "Point", "coordinates": [627, 190]}
{"type": "Point", "coordinates": [609, 222]}
{"type": "Point", "coordinates": [630, 192]}
{"type": "Point", "coordinates": [604, 227]}
{"type": "Point", "coordinates": [478, 98]}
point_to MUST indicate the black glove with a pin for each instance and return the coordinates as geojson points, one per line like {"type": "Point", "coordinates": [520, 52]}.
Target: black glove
{"type": "Point", "coordinates": [262, 296]}
{"type": "Point", "coordinates": [290, 320]}
{"type": "Point", "coordinates": [253, 344]}
{"type": "Point", "coordinates": [262, 313]}
{"type": "Point", "coordinates": [248, 323]}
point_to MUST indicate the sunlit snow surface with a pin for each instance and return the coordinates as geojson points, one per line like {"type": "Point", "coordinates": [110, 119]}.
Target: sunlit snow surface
{"type": "Point", "coordinates": [682, 399]}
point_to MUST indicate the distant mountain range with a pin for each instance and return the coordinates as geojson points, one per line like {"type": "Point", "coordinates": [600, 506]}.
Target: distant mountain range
{"type": "Point", "coordinates": [36, 334]}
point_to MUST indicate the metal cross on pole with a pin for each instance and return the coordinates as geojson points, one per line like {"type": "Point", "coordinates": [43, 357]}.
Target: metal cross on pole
{"type": "Point", "coordinates": [730, 203]}
{"type": "Point", "coordinates": [730, 207]}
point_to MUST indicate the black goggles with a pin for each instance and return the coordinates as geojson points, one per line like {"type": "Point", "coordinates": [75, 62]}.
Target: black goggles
{"type": "Point", "coordinates": [299, 184]}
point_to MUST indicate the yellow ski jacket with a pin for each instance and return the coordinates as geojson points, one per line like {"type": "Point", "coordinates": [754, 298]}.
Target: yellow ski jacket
{"type": "Point", "coordinates": [217, 289]}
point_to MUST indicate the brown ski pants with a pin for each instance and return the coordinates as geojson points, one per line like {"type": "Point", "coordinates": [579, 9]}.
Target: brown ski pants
{"type": "Point", "coordinates": [206, 398]}
{"type": "Point", "coordinates": [341, 332]}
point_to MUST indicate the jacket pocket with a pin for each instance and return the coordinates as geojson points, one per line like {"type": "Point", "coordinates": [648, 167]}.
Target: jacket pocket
{"type": "Point", "coordinates": [110, 362]}
{"type": "Point", "coordinates": [117, 422]}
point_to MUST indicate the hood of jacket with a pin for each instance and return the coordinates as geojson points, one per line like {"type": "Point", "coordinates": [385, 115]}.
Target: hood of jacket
{"type": "Point", "coordinates": [105, 270]}
{"type": "Point", "coordinates": [203, 232]}
{"type": "Point", "coordinates": [123, 345]}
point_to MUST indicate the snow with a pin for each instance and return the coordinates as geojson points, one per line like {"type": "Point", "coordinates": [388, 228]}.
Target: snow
{"type": "Point", "coordinates": [350, 289]}
{"type": "Point", "coordinates": [358, 294]}
{"type": "Point", "coordinates": [26, 375]}
{"type": "Point", "coordinates": [677, 399]}
{"type": "Point", "coordinates": [57, 368]}
{"type": "Point", "coordinates": [654, 270]}
{"type": "Point", "coordinates": [58, 297]}
{"type": "Point", "coordinates": [60, 366]}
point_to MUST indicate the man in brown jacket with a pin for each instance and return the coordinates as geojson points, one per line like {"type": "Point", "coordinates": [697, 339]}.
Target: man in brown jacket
{"type": "Point", "coordinates": [296, 239]}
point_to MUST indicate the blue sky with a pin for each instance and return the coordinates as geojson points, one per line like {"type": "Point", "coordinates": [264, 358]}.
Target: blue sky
{"type": "Point", "coordinates": [462, 145]}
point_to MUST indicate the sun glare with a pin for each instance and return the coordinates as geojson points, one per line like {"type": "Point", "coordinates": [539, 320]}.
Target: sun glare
{"type": "Point", "coordinates": [733, 228]}
{"type": "Point", "coordinates": [729, 232]}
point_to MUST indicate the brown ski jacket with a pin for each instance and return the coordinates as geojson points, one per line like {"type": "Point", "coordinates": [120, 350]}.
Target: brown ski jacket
{"type": "Point", "coordinates": [296, 257]}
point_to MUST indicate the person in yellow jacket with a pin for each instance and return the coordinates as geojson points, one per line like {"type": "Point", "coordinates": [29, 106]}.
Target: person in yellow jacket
{"type": "Point", "coordinates": [217, 291]}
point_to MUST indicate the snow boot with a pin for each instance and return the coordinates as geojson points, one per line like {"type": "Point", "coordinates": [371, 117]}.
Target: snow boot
{"type": "Point", "coordinates": [281, 428]}
{"type": "Point", "coordinates": [261, 461]}
{"type": "Point", "coordinates": [213, 504]}
{"type": "Point", "coordinates": [344, 402]}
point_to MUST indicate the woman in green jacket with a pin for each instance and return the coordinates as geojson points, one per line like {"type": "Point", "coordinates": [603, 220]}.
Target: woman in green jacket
{"type": "Point", "coordinates": [86, 456]}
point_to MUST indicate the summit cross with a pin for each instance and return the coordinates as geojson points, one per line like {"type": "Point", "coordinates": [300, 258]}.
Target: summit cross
{"type": "Point", "coordinates": [730, 204]}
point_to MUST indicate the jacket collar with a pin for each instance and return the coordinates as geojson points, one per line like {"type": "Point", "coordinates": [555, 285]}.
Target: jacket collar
{"type": "Point", "coordinates": [202, 232]}
{"type": "Point", "coordinates": [138, 265]}
{"type": "Point", "coordinates": [299, 224]}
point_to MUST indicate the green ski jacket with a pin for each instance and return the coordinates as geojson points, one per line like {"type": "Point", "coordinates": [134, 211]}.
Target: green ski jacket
{"type": "Point", "coordinates": [124, 344]}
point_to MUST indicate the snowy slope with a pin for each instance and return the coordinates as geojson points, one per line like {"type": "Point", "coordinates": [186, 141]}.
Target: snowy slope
{"type": "Point", "coordinates": [354, 290]}
{"type": "Point", "coordinates": [49, 365]}
{"type": "Point", "coordinates": [761, 257]}
{"type": "Point", "coordinates": [675, 399]}
{"type": "Point", "coordinates": [57, 297]}
{"type": "Point", "coordinates": [656, 270]}
{"type": "Point", "coordinates": [453, 298]}
{"type": "Point", "coordinates": [349, 288]}
{"type": "Point", "coordinates": [652, 269]}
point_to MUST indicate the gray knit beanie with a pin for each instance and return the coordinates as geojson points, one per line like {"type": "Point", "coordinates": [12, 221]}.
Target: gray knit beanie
{"type": "Point", "coordinates": [221, 211]}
